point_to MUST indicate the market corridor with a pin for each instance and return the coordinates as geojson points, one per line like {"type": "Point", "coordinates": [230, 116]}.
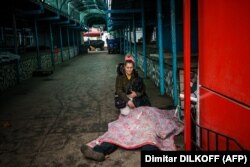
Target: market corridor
{"type": "Point", "coordinates": [46, 119]}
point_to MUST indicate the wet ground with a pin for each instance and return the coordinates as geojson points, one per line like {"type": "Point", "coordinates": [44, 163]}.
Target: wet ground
{"type": "Point", "coordinates": [45, 120]}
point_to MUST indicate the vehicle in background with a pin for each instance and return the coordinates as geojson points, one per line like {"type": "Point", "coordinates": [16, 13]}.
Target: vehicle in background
{"type": "Point", "coordinates": [113, 45]}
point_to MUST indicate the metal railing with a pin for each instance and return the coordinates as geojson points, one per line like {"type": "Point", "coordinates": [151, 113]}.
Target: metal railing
{"type": "Point", "coordinates": [200, 146]}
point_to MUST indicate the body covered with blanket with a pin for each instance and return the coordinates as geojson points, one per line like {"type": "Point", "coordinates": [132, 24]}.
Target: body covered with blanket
{"type": "Point", "coordinates": [142, 126]}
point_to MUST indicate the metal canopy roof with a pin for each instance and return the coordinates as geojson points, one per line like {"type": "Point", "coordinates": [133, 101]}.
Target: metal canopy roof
{"type": "Point", "coordinates": [86, 12]}
{"type": "Point", "coordinates": [122, 13]}
{"type": "Point", "coordinates": [116, 14]}
{"type": "Point", "coordinates": [121, 9]}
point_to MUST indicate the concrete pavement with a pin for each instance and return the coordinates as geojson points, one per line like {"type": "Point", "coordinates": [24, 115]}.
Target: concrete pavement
{"type": "Point", "coordinates": [45, 120]}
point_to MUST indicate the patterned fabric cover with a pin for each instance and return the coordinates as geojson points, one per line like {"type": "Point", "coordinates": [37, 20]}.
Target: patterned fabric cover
{"type": "Point", "coordinates": [143, 125]}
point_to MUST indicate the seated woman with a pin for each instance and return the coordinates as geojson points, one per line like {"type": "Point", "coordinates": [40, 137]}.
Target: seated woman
{"type": "Point", "coordinates": [133, 97]}
{"type": "Point", "coordinates": [130, 87]}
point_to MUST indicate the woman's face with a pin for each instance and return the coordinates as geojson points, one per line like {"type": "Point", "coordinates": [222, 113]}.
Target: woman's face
{"type": "Point", "coordinates": [129, 68]}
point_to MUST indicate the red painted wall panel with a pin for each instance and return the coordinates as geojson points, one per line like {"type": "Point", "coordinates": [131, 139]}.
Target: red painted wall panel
{"type": "Point", "coordinates": [224, 47]}
{"type": "Point", "coordinates": [224, 69]}
{"type": "Point", "coordinates": [225, 116]}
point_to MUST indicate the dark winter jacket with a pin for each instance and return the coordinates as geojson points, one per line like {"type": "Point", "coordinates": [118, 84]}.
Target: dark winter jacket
{"type": "Point", "coordinates": [124, 86]}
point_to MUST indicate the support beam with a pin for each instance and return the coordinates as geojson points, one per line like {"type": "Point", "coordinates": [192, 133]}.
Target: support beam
{"type": "Point", "coordinates": [61, 42]}
{"type": "Point", "coordinates": [122, 23]}
{"type": "Point", "coordinates": [73, 25]}
{"type": "Point", "coordinates": [77, 28]}
{"type": "Point", "coordinates": [73, 38]}
{"type": "Point", "coordinates": [17, 66]}
{"type": "Point", "coordinates": [23, 39]}
{"type": "Point", "coordinates": [160, 45]}
{"type": "Point", "coordinates": [51, 46]}
{"type": "Point", "coordinates": [14, 33]}
{"type": "Point", "coordinates": [68, 42]}
{"type": "Point", "coordinates": [61, 5]}
{"type": "Point", "coordinates": [130, 41]}
{"type": "Point", "coordinates": [35, 12]}
{"type": "Point", "coordinates": [57, 17]}
{"type": "Point", "coordinates": [120, 33]}
{"type": "Point", "coordinates": [174, 54]}
{"type": "Point", "coordinates": [57, 4]}
{"type": "Point", "coordinates": [77, 42]}
{"type": "Point", "coordinates": [144, 40]}
{"type": "Point", "coordinates": [70, 25]}
{"type": "Point", "coordinates": [120, 18]}
{"type": "Point", "coordinates": [124, 41]}
{"type": "Point", "coordinates": [2, 35]}
{"type": "Point", "coordinates": [127, 38]}
{"type": "Point", "coordinates": [38, 57]}
{"type": "Point", "coordinates": [118, 22]}
{"type": "Point", "coordinates": [124, 11]}
{"type": "Point", "coordinates": [187, 52]}
{"type": "Point", "coordinates": [88, 37]}
{"type": "Point", "coordinates": [17, 69]}
{"type": "Point", "coordinates": [115, 24]}
{"type": "Point", "coordinates": [62, 22]}
{"type": "Point", "coordinates": [135, 49]}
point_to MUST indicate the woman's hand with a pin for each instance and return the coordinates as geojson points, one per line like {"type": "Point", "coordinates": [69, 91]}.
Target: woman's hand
{"type": "Point", "coordinates": [132, 94]}
{"type": "Point", "coordinates": [131, 104]}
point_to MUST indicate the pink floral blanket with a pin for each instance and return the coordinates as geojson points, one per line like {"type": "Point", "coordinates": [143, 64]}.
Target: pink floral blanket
{"type": "Point", "coordinates": [143, 125]}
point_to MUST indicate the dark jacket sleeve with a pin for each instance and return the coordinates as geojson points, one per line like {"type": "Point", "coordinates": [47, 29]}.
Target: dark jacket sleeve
{"type": "Point", "coordinates": [119, 88]}
{"type": "Point", "coordinates": [143, 90]}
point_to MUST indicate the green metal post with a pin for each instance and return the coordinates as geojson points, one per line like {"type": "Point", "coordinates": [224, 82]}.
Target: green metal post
{"type": "Point", "coordinates": [124, 42]}
{"type": "Point", "coordinates": [68, 42]}
{"type": "Point", "coordinates": [39, 64]}
{"type": "Point", "coordinates": [120, 33]}
{"type": "Point", "coordinates": [130, 42]}
{"type": "Point", "coordinates": [77, 42]}
{"type": "Point", "coordinates": [144, 40]}
{"type": "Point", "coordinates": [17, 66]}
{"type": "Point", "coordinates": [135, 49]}
{"type": "Point", "coordinates": [88, 37]}
{"type": "Point", "coordinates": [173, 33]}
{"type": "Point", "coordinates": [61, 42]}
{"type": "Point", "coordinates": [51, 46]}
{"type": "Point", "coordinates": [160, 44]}
{"type": "Point", "coordinates": [73, 36]}
{"type": "Point", "coordinates": [15, 33]}
{"type": "Point", "coordinates": [127, 39]}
